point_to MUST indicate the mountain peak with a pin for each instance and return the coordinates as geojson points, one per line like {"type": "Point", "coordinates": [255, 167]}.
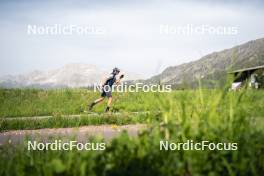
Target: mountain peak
{"type": "Point", "coordinates": [70, 75]}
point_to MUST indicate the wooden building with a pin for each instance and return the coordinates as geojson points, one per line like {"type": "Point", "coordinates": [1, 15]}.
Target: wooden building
{"type": "Point", "coordinates": [250, 77]}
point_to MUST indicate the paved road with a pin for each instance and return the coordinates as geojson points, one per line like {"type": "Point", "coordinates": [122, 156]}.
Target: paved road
{"type": "Point", "coordinates": [81, 134]}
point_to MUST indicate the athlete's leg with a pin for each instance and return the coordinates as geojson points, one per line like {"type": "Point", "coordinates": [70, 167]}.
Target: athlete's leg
{"type": "Point", "coordinates": [110, 99]}
{"type": "Point", "coordinates": [98, 100]}
{"type": "Point", "coordinates": [95, 102]}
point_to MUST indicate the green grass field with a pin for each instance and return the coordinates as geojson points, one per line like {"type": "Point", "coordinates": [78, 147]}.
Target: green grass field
{"type": "Point", "coordinates": [212, 115]}
{"type": "Point", "coordinates": [33, 102]}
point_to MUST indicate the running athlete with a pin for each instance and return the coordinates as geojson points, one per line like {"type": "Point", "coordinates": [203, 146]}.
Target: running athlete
{"type": "Point", "coordinates": [106, 89]}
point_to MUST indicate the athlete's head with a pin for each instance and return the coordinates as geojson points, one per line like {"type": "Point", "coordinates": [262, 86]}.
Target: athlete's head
{"type": "Point", "coordinates": [116, 71]}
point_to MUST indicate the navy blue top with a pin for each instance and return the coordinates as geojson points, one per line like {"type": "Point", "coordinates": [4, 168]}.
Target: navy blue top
{"type": "Point", "coordinates": [111, 80]}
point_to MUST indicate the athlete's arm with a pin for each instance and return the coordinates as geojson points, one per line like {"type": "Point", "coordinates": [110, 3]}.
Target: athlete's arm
{"type": "Point", "coordinates": [119, 79]}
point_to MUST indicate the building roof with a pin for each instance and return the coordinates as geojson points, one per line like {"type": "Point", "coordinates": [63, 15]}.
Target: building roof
{"type": "Point", "coordinates": [248, 69]}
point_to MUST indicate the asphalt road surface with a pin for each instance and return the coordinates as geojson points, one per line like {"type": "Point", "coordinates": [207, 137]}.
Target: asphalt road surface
{"type": "Point", "coordinates": [81, 134]}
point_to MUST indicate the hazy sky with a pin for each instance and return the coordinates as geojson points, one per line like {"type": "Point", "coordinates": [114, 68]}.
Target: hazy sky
{"type": "Point", "coordinates": [132, 38]}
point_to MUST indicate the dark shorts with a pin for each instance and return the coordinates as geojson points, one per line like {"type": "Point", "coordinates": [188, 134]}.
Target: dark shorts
{"type": "Point", "coordinates": [106, 94]}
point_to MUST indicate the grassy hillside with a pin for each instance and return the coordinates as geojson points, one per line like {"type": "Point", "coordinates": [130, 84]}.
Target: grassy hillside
{"type": "Point", "coordinates": [213, 68]}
